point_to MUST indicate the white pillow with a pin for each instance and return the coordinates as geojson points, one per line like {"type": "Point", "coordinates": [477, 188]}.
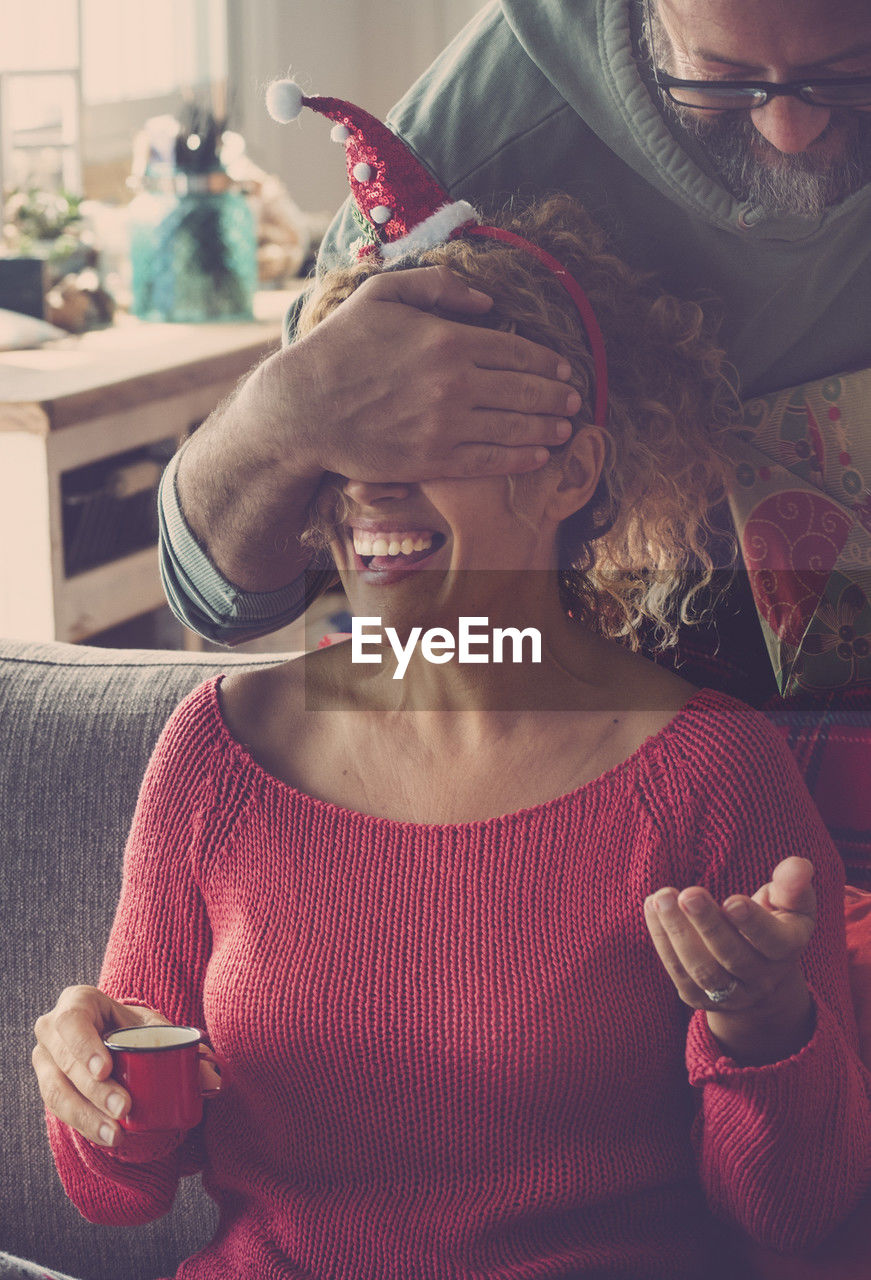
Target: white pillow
{"type": "Point", "coordinates": [18, 331]}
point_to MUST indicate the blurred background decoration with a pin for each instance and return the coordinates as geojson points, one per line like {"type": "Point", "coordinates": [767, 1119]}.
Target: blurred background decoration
{"type": "Point", "coordinates": [99, 102]}
{"type": "Point", "coordinates": [193, 237]}
{"type": "Point", "coordinates": [133, 125]}
{"type": "Point", "coordinates": [46, 230]}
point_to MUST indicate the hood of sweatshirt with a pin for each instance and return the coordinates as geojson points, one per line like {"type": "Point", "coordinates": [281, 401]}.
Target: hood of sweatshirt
{"type": "Point", "coordinates": [586, 49]}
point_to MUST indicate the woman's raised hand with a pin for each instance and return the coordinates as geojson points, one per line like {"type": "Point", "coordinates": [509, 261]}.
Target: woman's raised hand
{"type": "Point", "coordinates": [73, 1066]}
{"type": "Point", "coordinates": [741, 962]}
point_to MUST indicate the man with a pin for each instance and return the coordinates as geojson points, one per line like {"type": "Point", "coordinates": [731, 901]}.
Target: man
{"type": "Point", "coordinates": [761, 208]}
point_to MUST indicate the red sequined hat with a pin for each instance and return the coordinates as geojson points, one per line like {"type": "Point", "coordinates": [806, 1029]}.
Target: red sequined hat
{"type": "Point", "coordinates": [404, 208]}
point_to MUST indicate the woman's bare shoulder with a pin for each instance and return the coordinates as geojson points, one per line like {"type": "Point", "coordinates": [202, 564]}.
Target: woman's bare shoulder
{"type": "Point", "coordinates": [267, 709]}
{"type": "Point", "coordinates": [643, 683]}
{"type": "Point", "coordinates": [252, 701]}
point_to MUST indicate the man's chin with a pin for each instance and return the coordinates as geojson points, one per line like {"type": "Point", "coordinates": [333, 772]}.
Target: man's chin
{"type": "Point", "coordinates": [833, 167]}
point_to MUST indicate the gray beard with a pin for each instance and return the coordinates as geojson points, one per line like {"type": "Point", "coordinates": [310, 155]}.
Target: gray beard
{"type": "Point", "coordinates": [803, 184]}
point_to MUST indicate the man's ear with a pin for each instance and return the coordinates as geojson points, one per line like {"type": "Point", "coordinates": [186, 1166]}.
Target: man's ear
{"type": "Point", "coordinates": [582, 467]}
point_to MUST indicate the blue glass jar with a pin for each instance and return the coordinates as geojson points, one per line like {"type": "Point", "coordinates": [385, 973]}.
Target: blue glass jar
{"type": "Point", "coordinates": [193, 249]}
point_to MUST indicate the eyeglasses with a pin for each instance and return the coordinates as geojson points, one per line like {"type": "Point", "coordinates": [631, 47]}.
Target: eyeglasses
{"type": "Point", "coordinates": [746, 95]}
{"type": "Point", "coordinates": [847, 92]}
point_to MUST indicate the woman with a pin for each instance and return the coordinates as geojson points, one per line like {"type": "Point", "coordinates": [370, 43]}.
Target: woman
{"type": "Point", "coordinates": [443, 931]}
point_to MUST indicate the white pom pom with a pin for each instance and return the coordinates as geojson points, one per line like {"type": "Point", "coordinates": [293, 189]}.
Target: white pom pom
{"type": "Point", "coordinates": [380, 214]}
{"type": "Point", "coordinates": [339, 133]}
{"type": "Point", "coordinates": [284, 100]}
{"type": "Point", "coordinates": [362, 172]}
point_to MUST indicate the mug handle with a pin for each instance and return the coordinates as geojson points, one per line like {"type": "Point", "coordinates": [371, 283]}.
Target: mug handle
{"type": "Point", "coordinates": [208, 1056]}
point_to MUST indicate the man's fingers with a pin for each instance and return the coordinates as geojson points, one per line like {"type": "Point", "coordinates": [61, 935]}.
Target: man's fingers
{"type": "Point", "coordinates": [523, 393]}
{"type": "Point", "coordinates": [516, 430]}
{"type": "Point", "coordinates": [447, 400]}
{"type": "Point", "coordinates": [428, 289]}
{"type": "Point", "coordinates": [440, 289]}
{"type": "Point", "coordinates": [464, 461]}
{"type": "Point", "coordinates": [493, 460]}
{"type": "Point", "coordinates": [494, 349]}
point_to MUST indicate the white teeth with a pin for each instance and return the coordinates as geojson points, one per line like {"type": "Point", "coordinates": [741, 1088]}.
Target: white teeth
{"type": "Point", "coordinates": [390, 544]}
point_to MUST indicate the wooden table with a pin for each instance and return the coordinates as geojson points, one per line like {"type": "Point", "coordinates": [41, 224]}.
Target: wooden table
{"type": "Point", "coordinates": [80, 400]}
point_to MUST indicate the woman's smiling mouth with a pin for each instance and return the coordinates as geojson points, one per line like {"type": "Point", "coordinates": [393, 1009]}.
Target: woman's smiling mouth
{"type": "Point", "coordinates": [384, 555]}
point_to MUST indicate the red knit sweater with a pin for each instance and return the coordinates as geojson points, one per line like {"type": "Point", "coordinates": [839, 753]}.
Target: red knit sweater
{"type": "Point", "coordinates": [451, 1052]}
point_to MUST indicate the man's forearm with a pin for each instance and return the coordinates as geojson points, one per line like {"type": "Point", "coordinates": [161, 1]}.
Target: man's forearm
{"type": "Point", "coordinates": [239, 492]}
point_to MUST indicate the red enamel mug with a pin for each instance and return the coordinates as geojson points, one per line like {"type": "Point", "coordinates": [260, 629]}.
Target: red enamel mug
{"type": "Point", "coordinates": [159, 1067]}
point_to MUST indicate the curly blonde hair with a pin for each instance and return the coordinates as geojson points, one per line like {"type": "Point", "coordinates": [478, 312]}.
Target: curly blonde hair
{"type": "Point", "coordinates": [638, 555]}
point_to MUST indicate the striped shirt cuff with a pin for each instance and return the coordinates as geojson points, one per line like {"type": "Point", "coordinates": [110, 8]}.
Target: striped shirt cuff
{"type": "Point", "coordinates": [202, 598]}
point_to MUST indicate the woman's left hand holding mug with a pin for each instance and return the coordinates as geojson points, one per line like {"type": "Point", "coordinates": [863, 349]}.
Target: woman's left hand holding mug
{"type": "Point", "coordinates": [741, 962]}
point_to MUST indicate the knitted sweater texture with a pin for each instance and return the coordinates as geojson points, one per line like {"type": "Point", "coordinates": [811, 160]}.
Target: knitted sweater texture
{"type": "Point", "coordinates": [451, 1052]}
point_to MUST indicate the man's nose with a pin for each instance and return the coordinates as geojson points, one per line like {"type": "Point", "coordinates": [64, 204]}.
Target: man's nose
{"type": "Point", "coordinates": [789, 124]}
{"type": "Point", "coordinates": [366, 493]}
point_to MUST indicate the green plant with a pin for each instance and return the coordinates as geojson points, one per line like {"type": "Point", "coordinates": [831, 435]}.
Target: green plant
{"type": "Point", "coordinates": [43, 215]}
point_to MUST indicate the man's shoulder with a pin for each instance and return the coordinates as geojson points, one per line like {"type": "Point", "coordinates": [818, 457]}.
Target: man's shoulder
{"type": "Point", "coordinates": [482, 97]}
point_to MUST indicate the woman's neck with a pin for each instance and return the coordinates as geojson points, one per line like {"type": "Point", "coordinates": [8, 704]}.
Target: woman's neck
{"type": "Point", "coordinates": [482, 739]}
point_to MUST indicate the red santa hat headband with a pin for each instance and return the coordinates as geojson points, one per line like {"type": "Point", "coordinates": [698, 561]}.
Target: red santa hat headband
{"type": "Point", "coordinates": [401, 209]}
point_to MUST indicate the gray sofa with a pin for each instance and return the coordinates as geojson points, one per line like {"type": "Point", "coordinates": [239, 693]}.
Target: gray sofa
{"type": "Point", "coordinates": [78, 725]}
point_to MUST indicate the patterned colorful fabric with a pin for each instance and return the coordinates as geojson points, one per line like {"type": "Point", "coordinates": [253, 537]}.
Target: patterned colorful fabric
{"type": "Point", "coordinates": [801, 502]}
{"type": "Point", "coordinates": [830, 737]}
